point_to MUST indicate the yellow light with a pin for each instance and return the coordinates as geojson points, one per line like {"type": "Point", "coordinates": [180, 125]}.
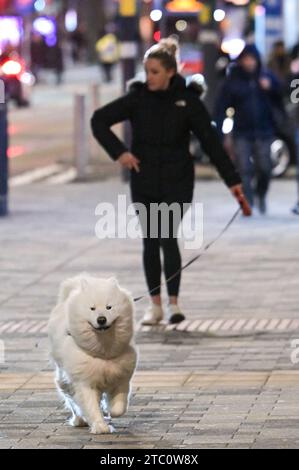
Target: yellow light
{"type": "Point", "coordinates": [181, 25]}
{"type": "Point", "coordinates": [240, 2]}
{"type": "Point", "coordinates": [205, 15]}
{"type": "Point", "coordinates": [127, 7]}
{"type": "Point", "coordinates": [190, 6]}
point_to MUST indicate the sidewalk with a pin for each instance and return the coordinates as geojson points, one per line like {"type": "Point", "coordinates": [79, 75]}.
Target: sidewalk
{"type": "Point", "coordinates": [223, 378]}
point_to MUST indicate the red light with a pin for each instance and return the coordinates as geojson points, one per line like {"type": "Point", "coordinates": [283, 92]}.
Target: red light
{"type": "Point", "coordinates": [15, 151]}
{"type": "Point", "coordinates": [11, 67]}
{"type": "Point", "coordinates": [157, 36]}
{"type": "Point", "coordinates": [12, 129]}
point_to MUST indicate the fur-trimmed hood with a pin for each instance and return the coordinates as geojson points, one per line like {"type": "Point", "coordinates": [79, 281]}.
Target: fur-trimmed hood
{"type": "Point", "coordinates": [195, 83]}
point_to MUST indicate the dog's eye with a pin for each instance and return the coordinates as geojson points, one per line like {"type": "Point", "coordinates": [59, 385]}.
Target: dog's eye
{"type": "Point", "coordinates": [108, 307]}
{"type": "Point", "coordinates": [92, 308]}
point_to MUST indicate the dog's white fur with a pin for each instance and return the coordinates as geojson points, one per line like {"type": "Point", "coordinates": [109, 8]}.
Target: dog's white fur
{"type": "Point", "coordinates": [89, 361]}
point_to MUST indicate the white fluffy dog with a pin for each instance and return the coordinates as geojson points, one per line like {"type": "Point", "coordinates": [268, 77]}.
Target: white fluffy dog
{"type": "Point", "coordinates": [91, 337]}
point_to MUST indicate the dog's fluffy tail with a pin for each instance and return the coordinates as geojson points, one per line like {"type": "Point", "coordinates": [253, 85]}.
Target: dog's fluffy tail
{"type": "Point", "coordinates": [69, 285]}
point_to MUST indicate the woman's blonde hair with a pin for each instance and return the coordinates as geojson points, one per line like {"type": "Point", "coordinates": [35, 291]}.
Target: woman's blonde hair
{"type": "Point", "coordinates": [167, 51]}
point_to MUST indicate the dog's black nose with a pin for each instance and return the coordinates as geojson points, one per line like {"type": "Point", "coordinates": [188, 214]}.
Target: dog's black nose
{"type": "Point", "coordinates": [101, 321]}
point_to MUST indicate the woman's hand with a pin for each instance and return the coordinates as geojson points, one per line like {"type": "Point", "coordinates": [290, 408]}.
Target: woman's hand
{"type": "Point", "coordinates": [128, 160]}
{"type": "Point", "coordinates": [237, 192]}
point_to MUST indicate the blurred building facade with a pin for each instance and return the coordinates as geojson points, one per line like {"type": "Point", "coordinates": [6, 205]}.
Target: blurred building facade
{"type": "Point", "coordinates": [264, 21]}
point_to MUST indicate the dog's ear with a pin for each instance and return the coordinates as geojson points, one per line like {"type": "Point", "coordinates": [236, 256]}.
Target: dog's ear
{"type": "Point", "coordinates": [84, 284]}
{"type": "Point", "coordinates": [113, 281]}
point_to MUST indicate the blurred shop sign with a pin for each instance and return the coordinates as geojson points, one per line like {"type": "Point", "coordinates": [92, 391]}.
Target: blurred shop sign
{"type": "Point", "coordinates": [128, 50]}
{"type": "Point", "coordinates": [3, 5]}
{"type": "Point", "coordinates": [191, 58]}
{"type": "Point", "coordinates": [24, 6]}
{"type": "Point", "coordinates": [274, 22]}
{"type": "Point", "coordinates": [273, 7]}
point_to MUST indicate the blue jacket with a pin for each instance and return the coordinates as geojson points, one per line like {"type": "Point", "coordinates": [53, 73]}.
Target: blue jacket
{"type": "Point", "coordinates": [253, 106]}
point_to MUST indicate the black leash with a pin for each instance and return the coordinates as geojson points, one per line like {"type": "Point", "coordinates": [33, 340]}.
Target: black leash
{"type": "Point", "coordinates": [229, 223]}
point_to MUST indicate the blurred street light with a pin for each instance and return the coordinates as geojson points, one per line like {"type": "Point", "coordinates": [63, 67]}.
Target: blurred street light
{"type": "Point", "coordinates": [39, 5]}
{"type": "Point", "coordinates": [239, 2]}
{"type": "Point", "coordinates": [181, 25]}
{"type": "Point", "coordinates": [71, 20]}
{"type": "Point", "coordinates": [219, 15]}
{"type": "Point", "coordinates": [191, 6]}
{"type": "Point", "coordinates": [156, 15]}
{"type": "Point", "coordinates": [233, 46]}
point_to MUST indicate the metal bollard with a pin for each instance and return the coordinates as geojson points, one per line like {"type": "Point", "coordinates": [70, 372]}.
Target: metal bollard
{"type": "Point", "coordinates": [94, 98]}
{"type": "Point", "coordinates": [80, 137]}
{"type": "Point", "coordinates": [128, 55]}
{"type": "Point", "coordinates": [3, 160]}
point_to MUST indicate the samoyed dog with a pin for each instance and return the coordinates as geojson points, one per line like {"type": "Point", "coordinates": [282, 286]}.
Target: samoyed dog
{"type": "Point", "coordinates": [91, 340]}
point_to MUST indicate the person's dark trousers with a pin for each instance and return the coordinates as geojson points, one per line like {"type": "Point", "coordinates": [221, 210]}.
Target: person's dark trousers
{"type": "Point", "coordinates": [153, 244]}
{"type": "Point", "coordinates": [255, 166]}
{"type": "Point", "coordinates": [107, 67]}
{"type": "Point", "coordinates": [35, 69]}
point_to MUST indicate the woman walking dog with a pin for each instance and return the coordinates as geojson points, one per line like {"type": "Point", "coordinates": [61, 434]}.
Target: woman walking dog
{"type": "Point", "coordinates": [163, 112]}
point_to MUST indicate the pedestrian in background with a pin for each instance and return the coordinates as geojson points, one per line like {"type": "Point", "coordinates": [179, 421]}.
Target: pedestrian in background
{"type": "Point", "coordinates": [285, 125]}
{"type": "Point", "coordinates": [295, 209]}
{"type": "Point", "coordinates": [295, 120]}
{"type": "Point", "coordinates": [279, 64]}
{"type": "Point", "coordinates": [252, 93]}
{"type": "Point", "coordinates": [57, 58]}
{"type": "Point", "coordinates": [37, 54]}
{"type": "Point", "coordinates": [107, 48]}
{"type": "Point", "coordinates": [78, 43]}
{"type": "Point", "coordinates": [162, 112]}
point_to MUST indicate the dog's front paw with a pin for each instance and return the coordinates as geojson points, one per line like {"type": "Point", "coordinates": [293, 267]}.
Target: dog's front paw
{"type": "Point", "coordinates": [77, 422]}
{"type": "Point", "coordinates": [99, 428]}
{"type": "Point", "coordinates": [118, 409]}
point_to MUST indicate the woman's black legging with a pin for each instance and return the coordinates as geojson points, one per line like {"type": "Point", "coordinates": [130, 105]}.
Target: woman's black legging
{"type": "Point", "coordinates": [152, 264]}
{"type": "Point", "coordinates": [171, 253]}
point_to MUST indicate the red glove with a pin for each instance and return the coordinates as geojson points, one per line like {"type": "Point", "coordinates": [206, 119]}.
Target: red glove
{"type": "Point", "coordinates": [237, 192]}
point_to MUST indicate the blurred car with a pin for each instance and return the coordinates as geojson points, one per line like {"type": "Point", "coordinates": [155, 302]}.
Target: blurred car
{"type": "Point", "coordinates": [282, 152]}
{"type": "Point", "coordinates": [18, 80]}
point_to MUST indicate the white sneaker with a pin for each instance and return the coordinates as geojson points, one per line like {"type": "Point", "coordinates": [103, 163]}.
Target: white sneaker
{"type": "Point", "coordinates": [174, 313]}
{"type": "Point", "coordinates": [153, 315]}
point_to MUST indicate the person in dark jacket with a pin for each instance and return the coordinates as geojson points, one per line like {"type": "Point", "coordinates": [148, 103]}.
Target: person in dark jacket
{"type": "Point", "coordinates": [38, 51]}
{"type": "Point", "coordinates": [279, 63]}
{"type": "Point", "coordinates": [252, 93]}
{"type": "Point", "coordinates": [162, 111]}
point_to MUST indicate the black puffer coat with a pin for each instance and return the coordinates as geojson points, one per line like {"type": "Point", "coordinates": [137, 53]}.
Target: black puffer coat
{"type": "Point", "coordinates": [161, 125]}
